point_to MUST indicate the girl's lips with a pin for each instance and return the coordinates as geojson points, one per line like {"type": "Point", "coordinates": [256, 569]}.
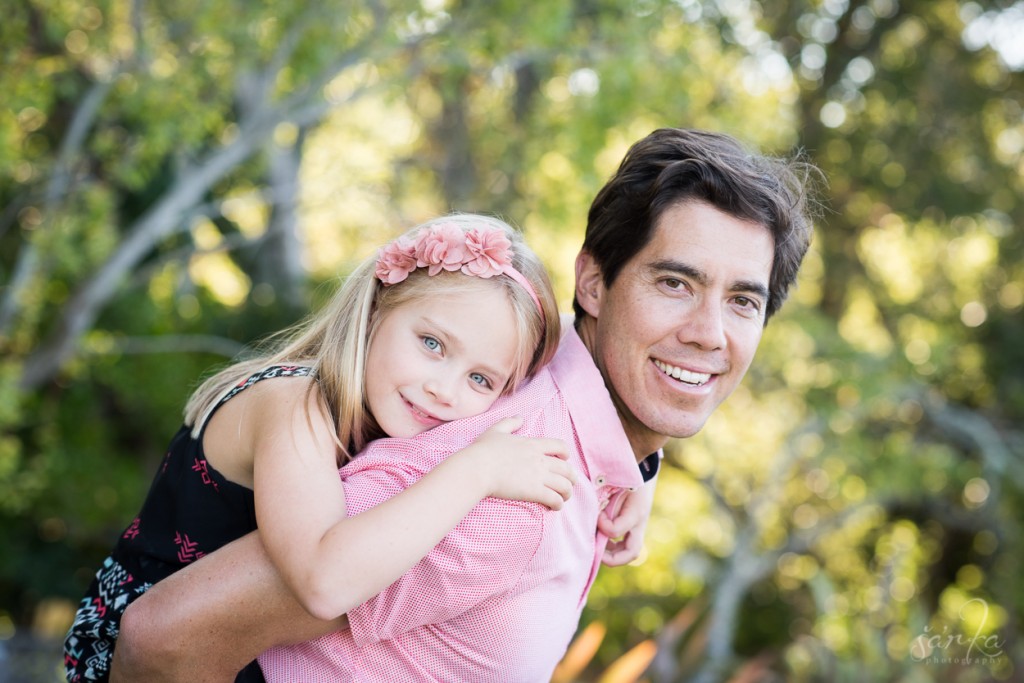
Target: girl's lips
{"type": "Point", "coordinates": [420, 415]}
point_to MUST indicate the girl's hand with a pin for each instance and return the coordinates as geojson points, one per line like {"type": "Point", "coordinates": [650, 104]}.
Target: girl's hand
{"type": "Point", "coordinates": [626, 524]}
{"type": "Point", "coordinates": [521, 468]}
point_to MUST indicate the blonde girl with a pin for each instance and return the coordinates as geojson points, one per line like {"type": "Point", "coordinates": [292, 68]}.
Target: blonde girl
{"type": "Point", "coordinates": [434, 328]}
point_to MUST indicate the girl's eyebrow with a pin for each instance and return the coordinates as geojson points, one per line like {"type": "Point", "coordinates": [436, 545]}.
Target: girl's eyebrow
{"type": "Point", "coordinates": [442, 332]}
{"type": "Point", "coordinates": [701, 278]}
{"type": "Point", "coordinates": [499, 378]}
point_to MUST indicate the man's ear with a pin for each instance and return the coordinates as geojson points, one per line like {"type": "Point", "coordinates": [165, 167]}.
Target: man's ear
{"type": "Point", "coordinates": [589, 284]}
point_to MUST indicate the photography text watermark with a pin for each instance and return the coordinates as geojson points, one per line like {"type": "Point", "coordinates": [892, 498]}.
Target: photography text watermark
{"type": "Point", "coordinates": [953, 647]}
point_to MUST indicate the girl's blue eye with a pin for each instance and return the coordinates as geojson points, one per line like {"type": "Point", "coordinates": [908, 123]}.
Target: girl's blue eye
{"type": "Point", "coordinates": [479, 379]}
{"type": "Point", "coordinates": [431, 343]}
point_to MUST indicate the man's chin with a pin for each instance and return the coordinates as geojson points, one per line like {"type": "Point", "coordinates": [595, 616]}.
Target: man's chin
{"type": "Point", "coordinates": [685, 426]}
{"type": "Point", "coordinates": [662, 428]}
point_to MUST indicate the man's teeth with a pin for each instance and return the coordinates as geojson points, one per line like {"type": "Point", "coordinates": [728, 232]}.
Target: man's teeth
{"type": "Point", "coordinates": [683, 375]}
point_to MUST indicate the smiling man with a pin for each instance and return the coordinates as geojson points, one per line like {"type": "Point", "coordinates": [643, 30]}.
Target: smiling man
{"type": "Point", "coordinates": [690, 248]}
{"type": "Point", "coordinates": [675, 331]}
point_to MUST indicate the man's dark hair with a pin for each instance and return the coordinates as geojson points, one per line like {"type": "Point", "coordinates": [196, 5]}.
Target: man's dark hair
{"type": "Point", "coordinates": [671, 166]}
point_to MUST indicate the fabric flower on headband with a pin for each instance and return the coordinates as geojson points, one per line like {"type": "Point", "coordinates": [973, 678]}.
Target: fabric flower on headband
{"type": "Point", "coordinates": [396, 261]}
{"type": "Point", "coordinates": [477, 252]}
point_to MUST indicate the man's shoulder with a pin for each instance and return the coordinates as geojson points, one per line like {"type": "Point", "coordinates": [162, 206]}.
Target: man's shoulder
{"type": "Point", "coordinates": [573, 369]}
{"type": "Point", "coordinates": [411, 454]}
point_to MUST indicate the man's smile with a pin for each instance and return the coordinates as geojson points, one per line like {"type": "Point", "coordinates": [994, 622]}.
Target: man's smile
{"type": "Point", "coordinates": [686, 376]}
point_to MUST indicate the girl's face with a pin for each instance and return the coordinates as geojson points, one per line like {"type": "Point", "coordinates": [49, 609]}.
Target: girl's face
{"type": "Point", "coordinates": [440, 359]}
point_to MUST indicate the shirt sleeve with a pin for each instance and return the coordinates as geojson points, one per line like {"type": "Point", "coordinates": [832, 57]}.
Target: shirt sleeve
{"type": "Point", "coordinates": [483, 556]}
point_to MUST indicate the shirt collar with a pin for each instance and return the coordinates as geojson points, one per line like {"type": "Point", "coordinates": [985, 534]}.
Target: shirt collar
{"type": "Point", "coordinates": [605, 447]}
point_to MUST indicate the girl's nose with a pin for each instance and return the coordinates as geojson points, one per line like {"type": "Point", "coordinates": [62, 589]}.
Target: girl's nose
{"type": "Point", "coordinates": [441, 388]}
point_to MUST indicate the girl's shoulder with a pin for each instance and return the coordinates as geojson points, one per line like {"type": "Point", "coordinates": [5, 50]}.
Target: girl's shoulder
{"type": "Point", "coordinates": [258, 411]}
{"type": "Point", "coordinates": [269, 402]}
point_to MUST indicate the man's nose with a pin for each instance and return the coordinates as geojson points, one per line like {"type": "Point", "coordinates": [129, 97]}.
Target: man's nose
{"type": "Point", "coordinates": [703, 326]}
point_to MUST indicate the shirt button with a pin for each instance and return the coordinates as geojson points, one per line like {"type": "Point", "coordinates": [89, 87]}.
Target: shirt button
{"type": "Point", "coordinates": [601, 479]}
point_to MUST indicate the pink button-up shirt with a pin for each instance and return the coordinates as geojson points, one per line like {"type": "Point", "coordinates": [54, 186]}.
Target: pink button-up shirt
{"type": "Point", "coordinates": [500, 597]}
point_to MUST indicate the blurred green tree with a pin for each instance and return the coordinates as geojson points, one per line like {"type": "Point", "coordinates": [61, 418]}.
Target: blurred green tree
{"type": "Point", "coordinates": [176, 181]}
{"type": "Point", "coordinates": [149, 182]}
{"type": "Point", "coordinates": [879, 504]}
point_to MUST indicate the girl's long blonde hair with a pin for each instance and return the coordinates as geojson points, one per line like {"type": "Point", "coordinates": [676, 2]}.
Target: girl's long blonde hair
{"type": "Point", "coordinates": [335, 340]}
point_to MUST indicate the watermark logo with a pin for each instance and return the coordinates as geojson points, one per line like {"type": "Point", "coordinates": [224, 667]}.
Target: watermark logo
{"type": "Point", "coordinates": [953, 647]}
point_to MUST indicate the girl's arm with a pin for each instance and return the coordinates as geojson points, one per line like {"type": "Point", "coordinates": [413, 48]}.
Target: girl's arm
{"type": "Point", "coordinates": [333, 563]}
{"type": "Point", "coordinates": [208, 620]}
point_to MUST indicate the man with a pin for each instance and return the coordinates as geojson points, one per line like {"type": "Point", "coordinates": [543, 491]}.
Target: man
{"type": "Point", "coordinates": [689, 250]}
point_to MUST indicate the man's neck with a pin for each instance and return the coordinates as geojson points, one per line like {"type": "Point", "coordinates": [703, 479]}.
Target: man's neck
{"type": "Point", "coordinates": [641, 439]}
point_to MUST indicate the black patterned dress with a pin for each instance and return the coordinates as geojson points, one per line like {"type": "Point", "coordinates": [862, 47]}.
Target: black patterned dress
{"type": "Point", "coordinates": [190, 511]}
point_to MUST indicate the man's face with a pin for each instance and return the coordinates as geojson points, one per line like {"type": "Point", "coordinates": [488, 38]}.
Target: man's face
{"type": "Point", "coordinates": [677, 330]}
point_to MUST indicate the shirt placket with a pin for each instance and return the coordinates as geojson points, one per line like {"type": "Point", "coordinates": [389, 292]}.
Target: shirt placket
{"type": "Point", "coordinates": [607, 496]}
{"type": "Point", "coordinates": [604, 492]}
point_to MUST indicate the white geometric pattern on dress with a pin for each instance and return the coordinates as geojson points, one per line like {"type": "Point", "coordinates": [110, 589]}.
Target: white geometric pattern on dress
{"type": "Point", "coordinates": [97, 624]}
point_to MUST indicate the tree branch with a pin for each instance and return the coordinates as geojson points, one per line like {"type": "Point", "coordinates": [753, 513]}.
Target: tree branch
{"type": "Point", "coordinates": [161, 220]}
{"type": "Point", "coordinates": [229, 243]}
{"type": "Point", "coordinates": [972, 430]}
{"type": "Point", "coordinates": [29, 262]}
{"type": "Point", "coordinates": [175, 343]}
{"type": "Point", "coordinates": [192, 183]}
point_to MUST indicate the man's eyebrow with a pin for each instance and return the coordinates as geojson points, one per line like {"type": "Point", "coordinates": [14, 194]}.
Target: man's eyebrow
{"type": "Point", "coordinates": [701, 278]}
{"type": "Point", "coordinates": [668, 265]}
{"type": "Point", "coordinates": [750, 287]}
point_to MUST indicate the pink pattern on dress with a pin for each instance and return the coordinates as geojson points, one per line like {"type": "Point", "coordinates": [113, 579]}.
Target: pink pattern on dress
{"type": "Point", "coordinates": [133, 529]}
{"type": "Point", "coordinates": [202, 467]}
{"type": "Point", "coordinates": [187, 548]}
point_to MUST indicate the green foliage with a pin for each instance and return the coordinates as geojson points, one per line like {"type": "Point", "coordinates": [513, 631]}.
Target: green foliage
{"type": "Point", "coordinates": [862, 487]}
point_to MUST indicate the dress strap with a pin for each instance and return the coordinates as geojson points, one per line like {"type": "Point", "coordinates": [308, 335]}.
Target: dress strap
{"type": "Point", "coordinates": [266, 373]}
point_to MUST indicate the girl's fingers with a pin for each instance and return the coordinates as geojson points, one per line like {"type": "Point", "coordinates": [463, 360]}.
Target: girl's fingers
{"type": "Point", "coordinates": [555, 447]}
{"type": "Point", "coordinates": [560, 469]}
{"type": "Point", "coordinates": [507, 425]}
{"type": "Point", "coordinates": [614, 528]}
{"type": "Point", "coordinates": [560, 485]}
{"type": "Point", "coordinates": [618, 553]}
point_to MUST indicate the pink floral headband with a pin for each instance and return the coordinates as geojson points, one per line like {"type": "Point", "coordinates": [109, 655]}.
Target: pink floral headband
{"type": "Point", "coordinates": [481, 252]}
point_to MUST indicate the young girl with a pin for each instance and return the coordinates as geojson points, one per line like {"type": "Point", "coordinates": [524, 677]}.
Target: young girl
{"type": "Point", "coordinates": [434, 328]}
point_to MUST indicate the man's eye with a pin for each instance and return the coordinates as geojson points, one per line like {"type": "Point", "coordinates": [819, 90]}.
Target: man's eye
{"type": "Point", "coordinates": [431, 343]}
{"type": "Point", "coordinates": [747, 302]}
{"type": "Point", "coordinates": [673, 283]}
